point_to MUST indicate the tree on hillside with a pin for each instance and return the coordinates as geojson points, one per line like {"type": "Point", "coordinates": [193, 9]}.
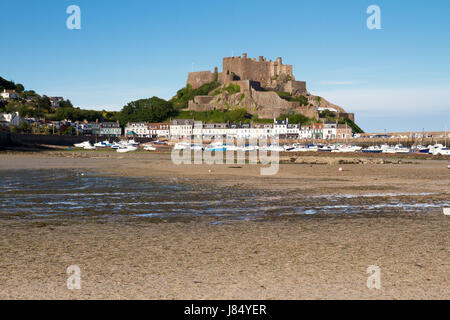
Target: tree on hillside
{"type": "Point", "coordinates": [148, 110]}
{"type": "Point", "coordinates": [20, 88]}
{"type": "Point", "coordinates": [65, 104]}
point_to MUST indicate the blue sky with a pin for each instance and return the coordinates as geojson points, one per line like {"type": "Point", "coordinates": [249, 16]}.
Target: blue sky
{"type": "Point", "coordinates": [396, 78]}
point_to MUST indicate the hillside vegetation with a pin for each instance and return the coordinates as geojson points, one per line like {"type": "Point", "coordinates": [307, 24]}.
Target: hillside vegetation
{"type": "Point", "coordinates": [31, 104]}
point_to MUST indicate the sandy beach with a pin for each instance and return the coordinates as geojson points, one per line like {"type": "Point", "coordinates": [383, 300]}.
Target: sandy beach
{"type": "Point", "coordinates": [287, 257]}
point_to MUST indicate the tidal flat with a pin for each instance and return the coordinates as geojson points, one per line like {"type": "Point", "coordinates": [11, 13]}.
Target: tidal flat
{"type": "Point", "coordinates": [140, 227]}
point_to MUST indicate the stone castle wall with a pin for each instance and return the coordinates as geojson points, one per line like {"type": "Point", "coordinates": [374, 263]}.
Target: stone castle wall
{"type": "Point", "coordinates": [259, 70]}
{"type": "Point", "coordinates": [197, 79]}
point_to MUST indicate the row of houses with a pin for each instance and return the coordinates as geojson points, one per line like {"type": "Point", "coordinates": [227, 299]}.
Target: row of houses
{"type": "Point", "coordinates": [6, 95]}
{"type": "Point", "coordinates": [188, 128]}
{"type": "Point", "coordinates": [110, 129]}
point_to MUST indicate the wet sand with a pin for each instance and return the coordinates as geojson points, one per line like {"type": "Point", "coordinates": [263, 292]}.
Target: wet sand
{"type": "Point", "coordinates": [316, 257]}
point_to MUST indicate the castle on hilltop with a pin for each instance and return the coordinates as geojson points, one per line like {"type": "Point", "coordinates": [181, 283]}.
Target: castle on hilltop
{"type": "Point", "coordinates": [273, 75]}
{"type": "Point", "coordinates": [265, 88]}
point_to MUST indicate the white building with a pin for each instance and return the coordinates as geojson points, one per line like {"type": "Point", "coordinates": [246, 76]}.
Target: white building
{"type": "Point", "coordinates": [329, 130]}
{"type": "Point", "coordinates": [163, 130]}
{"type": "Point", "coordinates": [9, 94]}
{"type": "Point", "coordinates": [10, 119]}
{"type": "Point", "coordinates": [262, 130]}
{"type": "Point", "coordinates": [280, 127]}
{"type": "Point", "coordinates": [293, 131]}
{"type": "Point", "coordinates": [140, 129]}
{"type": "Point", "coordinates": [305, 132]}
{"type": "Point", "coordinates": [181, 129]}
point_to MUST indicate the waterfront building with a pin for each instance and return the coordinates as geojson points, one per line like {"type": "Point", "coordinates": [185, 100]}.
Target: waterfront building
{"type": "Point", "coordinates": [181, 128]}
{"type": "Point", "coordinates": [161, 130]}
{"type": "Point", "coordinates": [329, 130]}
{"type": "Point", "coordinates": [343, 131]}
{"type": "Point", "coordinates": [139, 129]}
{"type": "Point", "coordinates": [317, 130]}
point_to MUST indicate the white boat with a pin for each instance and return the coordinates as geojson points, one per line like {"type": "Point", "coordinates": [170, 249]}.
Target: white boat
{"type": "Point", "coordinates": [182, 146]}
{"type": "Point", "coordinates": [89, 147]}
{"type": "Point", "coordinates": [115, 145]}
{"type": "Point", "coordinates": [196, 147]}
{"type": "Point", "coordinates": [439, 149]}
{"type": "Point", "coordinates": [401, 149]}
{"type": "Point", "coordinates": [347, 148]}
{"type": "Point", "coordinates": [231, 148]}
{"type": "Point", "coordinates": [82, 144]}
{"type": "Point", "coordinates": [373, 149]}
{"type": "Point", "coordinates": [103, 144]}
{"type": "Point", "coordinates": [446, 211]}
{"type": "Point", "coordinates": [275, 148]}
{"type": "Point", "coordinates": [149, 148]}
{"type": "Point", "coordinates": [126, 149]}
{"type": "Point", "coordinates": [132, 143]}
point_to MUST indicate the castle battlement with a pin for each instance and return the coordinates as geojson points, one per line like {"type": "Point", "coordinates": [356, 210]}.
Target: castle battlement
{"type": "Point", "coordinates": [269, 74]}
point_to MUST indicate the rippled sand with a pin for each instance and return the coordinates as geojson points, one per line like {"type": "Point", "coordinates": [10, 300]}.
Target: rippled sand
{"type": "Point", "coordinates": [316, 256]}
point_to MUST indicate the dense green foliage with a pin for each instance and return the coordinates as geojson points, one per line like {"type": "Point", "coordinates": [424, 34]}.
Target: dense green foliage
{"type": "Point", "coordinates": [149, 110]}
{"type": "Point", "coordinates": [31, 104]}
{"type": "Point", "coordinates": [235, 115]}
{"type": "Point", "coordinates": [233, 88]}
{"type": "Point", "coordinates": [287, 96]}
{"type": "Point", "coordinates": [354, 126]}
{"type": "Point", "coordinates": [77, 114]}
{"type": "Point", "coordinates": [181, 100]}
{"type": "Point", "coordinates": [8, 85]}
{"type": "Point", "coordinates": [296, 118]}
{"type": "Point", "coordinates": [331, 116]}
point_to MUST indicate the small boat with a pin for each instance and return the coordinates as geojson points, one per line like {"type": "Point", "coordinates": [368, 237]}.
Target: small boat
{"type": "Point", "coordinates": [82, 144]}
{"type": "Point", "coordinates": [446, 211]}
{"type": "Point", "coordinates": [422, 150]}
{"type": "Point", "coordinates": [132, 143]}
{"type": "Point", "coordinates": [182, 146]}
{"type": "Point", "coordinates": [325, 149]}
{"type": "Point", "coordinates": [126, 149]}
{"type": "Point", "coordinates": [149, 148]}
{"type": "Point", "coordinates": [372, 149]}
{"type": "Point", "coordinates": [401, 149]}
{"type": "Point", "coordinates": [103, 144]}
{"type": "Point", "coordinates": [115, 145]}
{"type": "Point", "coordinates": [90, 147]}
{"type": "Point", "coordinates": [196, 147]}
